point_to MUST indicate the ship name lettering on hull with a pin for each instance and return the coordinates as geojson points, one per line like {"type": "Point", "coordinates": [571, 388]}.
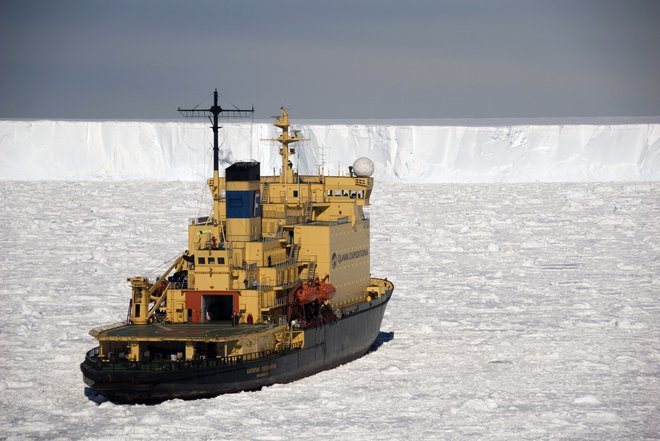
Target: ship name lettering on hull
{"type": "Point", "coordinates": [262, 370]}
{"type": "Point", "coordinates": [339, 258]}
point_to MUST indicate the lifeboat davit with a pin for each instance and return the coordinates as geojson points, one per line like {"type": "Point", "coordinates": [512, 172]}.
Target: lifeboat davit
{"type": "Point", "coordinates": [325, 291]}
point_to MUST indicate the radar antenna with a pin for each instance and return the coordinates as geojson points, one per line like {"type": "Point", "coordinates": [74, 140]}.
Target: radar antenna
{"type": "Point", "coordinates": [320, 166]}
{"type": "Point", "coordinates": [213, 114]}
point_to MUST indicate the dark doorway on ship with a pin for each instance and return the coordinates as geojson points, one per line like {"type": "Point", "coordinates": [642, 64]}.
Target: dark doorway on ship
{"type": "Point", "coordinates": [163, 351]}
{"type": "Point", "coordinates": [217, 308]}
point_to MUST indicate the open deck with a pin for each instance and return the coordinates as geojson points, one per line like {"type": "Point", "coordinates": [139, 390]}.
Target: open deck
{"type": "Point", "coordinates": [215, 331]}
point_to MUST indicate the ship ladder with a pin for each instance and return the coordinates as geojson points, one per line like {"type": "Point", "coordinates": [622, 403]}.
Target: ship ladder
{"type": "Point", "coordinates": [311, 270]}
{"type": "Point", "coordinates": [309, 211]}
{"type": "Point", "coordinates": [295, 251]}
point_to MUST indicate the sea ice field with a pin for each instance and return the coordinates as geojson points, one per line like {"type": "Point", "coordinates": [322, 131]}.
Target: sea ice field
{"type": "Point", "coordinates": [520, 311]}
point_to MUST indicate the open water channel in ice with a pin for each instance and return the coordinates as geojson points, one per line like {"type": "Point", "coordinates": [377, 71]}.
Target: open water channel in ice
{"type": "Point", "coordinates": [521, 311]}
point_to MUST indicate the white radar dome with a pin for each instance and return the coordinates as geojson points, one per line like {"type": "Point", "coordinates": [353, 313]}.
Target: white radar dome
{"type": "Point", "coordinates": [363, 167]}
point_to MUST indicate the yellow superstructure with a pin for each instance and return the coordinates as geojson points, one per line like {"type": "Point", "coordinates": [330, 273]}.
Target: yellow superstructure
{"type": "Point", "coordinates": [269, 233]}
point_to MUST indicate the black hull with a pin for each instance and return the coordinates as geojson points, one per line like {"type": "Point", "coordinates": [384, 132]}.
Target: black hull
{"type": "Point", "coordinates": [326, 346]}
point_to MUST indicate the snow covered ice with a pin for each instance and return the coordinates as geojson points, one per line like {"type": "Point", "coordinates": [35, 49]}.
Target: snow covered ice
{"type": "Point", "coordinates": [521, 311]}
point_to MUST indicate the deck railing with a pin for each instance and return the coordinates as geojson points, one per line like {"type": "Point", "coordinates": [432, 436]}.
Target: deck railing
{"type": "Point", "coordinates": [92, 361]}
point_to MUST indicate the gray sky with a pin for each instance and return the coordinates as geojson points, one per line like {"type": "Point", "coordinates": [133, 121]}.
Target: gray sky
{"type": "Point", "coordinates": [335, 59]}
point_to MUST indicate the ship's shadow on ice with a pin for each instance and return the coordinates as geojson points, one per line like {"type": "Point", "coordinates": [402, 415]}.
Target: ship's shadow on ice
{"type": "Point", "coordinates": [382, 337]}
{"type": "Point", "coordinates": [95, 397]}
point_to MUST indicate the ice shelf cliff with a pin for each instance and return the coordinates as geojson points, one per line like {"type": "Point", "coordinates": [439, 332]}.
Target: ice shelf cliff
{"type": "Point", "coordinates": [125, 150]}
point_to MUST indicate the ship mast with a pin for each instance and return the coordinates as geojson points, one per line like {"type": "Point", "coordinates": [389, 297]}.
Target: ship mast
{"type": "Point", "coordinates": [213, 113]}
{"type": "Point", "coordinates": [285, 139]}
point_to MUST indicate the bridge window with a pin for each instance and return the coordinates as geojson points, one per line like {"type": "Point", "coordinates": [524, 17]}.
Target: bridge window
{"type": "Point", "coordinates": [211, 260]}
{"type": "Point", "coordinates": [201, 260]}
{"type": "Point", "coordinates": [337, 192]}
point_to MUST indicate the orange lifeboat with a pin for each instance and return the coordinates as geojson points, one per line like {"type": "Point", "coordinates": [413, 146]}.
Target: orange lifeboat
{"type": "Point", "coordinates": [306, 293]}
{"type": "Point", "coordinates": [325, 291]}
